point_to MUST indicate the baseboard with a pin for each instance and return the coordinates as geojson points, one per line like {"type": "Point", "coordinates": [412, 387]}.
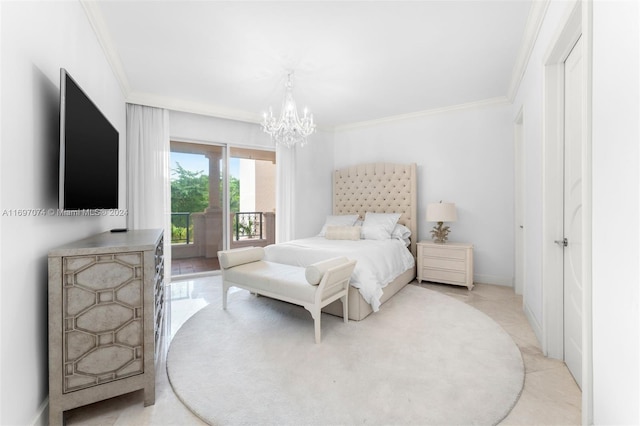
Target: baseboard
{"type": "Point", "coordinates": [535, 325]}
{"type": "Point", "coordinates": [194, 275]}
{"type": "Point", "coordinates": [42, 416]}
{"type": "Point", "coordinates": [493, 279]}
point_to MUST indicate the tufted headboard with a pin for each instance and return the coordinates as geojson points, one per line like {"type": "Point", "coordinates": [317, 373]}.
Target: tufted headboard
{"type": "Point", "coordinates": [379, 188]}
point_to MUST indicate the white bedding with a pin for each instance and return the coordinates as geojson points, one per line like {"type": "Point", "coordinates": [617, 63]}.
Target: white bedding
{"type": "Point", "coordinates": [378, 261]}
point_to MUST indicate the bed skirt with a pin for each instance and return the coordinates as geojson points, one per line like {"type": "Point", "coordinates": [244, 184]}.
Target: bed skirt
{"type": "Point", "coordinates": [358, 308]}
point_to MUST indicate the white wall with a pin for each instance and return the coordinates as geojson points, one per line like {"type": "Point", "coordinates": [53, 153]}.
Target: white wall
{"type": "Point", "coordinates": [314, 161]}
{"type": "Point", "coordinates": [38, 38]}
{"type": "Point", "coordinates": [616, 212]}
{"type": "Point", "coordinates": [463, 156]}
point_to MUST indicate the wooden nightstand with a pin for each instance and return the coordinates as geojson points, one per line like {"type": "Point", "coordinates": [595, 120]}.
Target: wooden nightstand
{"type": "Point", "coordinates": [449, 263]}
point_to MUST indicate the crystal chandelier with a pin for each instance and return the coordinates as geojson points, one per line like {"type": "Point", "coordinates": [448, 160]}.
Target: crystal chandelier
{"type": "Point", "coordinates": [289, 129]}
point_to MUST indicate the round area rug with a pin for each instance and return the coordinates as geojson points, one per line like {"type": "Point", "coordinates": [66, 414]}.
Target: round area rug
{"type": "Point", "coordinates": [424, 358]}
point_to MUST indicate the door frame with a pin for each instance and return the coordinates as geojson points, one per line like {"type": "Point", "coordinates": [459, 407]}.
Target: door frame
{"type": "Point", "coordinates": [225, 201]}
{"type": "Point", "coordinates": [519, 196]}
{"type": "Point", "coordinates": [577, 23]}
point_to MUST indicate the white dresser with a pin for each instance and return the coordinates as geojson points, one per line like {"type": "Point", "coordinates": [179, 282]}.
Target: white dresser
{"type": "Point", "coordinates": [106, 318]}
{"type": "Point", "coordinates": [448, 263]}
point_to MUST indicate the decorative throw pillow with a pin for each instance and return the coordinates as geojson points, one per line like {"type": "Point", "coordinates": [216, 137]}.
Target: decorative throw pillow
{"type": "Point", "coordinates": [230, 258]}
{"type": "Point", "coordinates": [343, 233]}
{"type": "Point", "coordinates": [338, 220]}
{"type": "Point", "coordinates": [378, 226]}
{"type": "Point", "coordinates": [314, 272]}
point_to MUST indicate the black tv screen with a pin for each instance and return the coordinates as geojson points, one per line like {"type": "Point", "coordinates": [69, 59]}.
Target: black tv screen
{"type": "Point", "coordinates": [88, 151]}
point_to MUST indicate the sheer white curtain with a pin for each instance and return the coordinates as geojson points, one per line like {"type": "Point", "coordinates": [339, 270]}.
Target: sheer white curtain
{"type": "Point", "coordinates": [285, 193]}
{"type": "Point", "coordinates": [148, 195]}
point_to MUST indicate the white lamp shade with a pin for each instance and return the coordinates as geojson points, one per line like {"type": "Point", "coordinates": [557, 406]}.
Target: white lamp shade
{"type": "Point", "coordinates": [441, 212]}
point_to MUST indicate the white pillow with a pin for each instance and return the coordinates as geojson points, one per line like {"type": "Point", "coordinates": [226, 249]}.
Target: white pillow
{"type": "Point", "coordinates": [378, 226]}
{"type": "Point", "coordinates": [400, 232]}
{"type": "Point", "coordinates": [338, 220]}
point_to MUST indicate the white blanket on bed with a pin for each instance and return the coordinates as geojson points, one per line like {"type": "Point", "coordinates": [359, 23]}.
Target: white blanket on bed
{"type": "Point", "coordinates": [378, 261]}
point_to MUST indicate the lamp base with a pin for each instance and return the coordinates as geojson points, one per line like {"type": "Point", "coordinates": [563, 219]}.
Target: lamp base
{"type": "Point", "coordinates": [440, 233]}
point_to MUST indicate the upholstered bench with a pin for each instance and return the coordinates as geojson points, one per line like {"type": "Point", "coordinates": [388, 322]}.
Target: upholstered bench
{"type": "Point", "coordinates": [312, 287]}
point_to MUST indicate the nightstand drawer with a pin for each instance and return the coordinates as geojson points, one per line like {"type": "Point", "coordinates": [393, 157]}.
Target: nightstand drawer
{"type": "Point", "coordinates": [443, 251]}
{"type": "Point", "coordinates": [438, 275]}
{"type": "Point", "coordinates": [444, 263]}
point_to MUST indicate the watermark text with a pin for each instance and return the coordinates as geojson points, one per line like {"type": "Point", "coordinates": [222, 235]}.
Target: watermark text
{"type": "Point", "coordinates": [61, 212]}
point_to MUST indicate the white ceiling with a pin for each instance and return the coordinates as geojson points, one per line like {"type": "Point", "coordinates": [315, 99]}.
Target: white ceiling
{"type": "Point", "coordinates": [354, 61]}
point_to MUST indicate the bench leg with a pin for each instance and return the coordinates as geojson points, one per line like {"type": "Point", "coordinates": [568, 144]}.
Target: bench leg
{"type": "Point", "coordinates": [315, 314]}
{"type": "Point", "coordinates": [345, 307]}
{"type": "Point", "coordinates": [316, 326]}
{"type": "Point", "coordinates": [225, 289]}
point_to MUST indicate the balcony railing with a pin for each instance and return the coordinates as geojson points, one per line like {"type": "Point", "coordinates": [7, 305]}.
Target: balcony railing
{"type": "Point", "coordinates": [201, 234]}
{"type": "Point", "coordinates": [181, 221]}
{"type": "Point", "coordinates": [247, 225]}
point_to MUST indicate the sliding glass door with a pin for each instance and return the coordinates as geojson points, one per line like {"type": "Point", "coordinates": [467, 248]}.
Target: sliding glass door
{"type": "Point", "coordinates": [197, 207]}
{"type": "Point", "coordinates": [252, 197]}
{"type": "Point", "coordinates": [217, 204]}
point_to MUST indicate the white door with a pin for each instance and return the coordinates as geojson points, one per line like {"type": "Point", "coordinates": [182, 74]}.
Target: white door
{"type": "Point", "coordinates": [573, 213]}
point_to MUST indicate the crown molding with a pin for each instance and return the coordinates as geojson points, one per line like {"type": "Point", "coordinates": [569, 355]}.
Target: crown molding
{"type": "Point", "coordinates": [207, 109]}
{"type": "Point", "coordinates": [94, 15]}
{"type": "Point", "coordinates": [500, 100]}
{"type": "Point", "coordinates": [532, 29]}
{"type": "Point", "coordinates": [201, 108]}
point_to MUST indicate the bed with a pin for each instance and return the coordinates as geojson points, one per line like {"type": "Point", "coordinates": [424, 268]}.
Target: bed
{"type": "Point", "coordinates": [379, 189]}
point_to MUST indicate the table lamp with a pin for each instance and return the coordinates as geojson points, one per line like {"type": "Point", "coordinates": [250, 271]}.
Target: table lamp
{"type": "Point", "coordinates": [441, 212]}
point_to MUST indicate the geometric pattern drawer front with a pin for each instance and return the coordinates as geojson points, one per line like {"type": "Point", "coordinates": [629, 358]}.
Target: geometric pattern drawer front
{"type": "Point", "coordinates": [102, 311]}
{"type": "Point", "coordinates": [159, 294]}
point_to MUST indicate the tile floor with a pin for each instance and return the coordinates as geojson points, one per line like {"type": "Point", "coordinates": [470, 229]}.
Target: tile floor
{"type": "Point", "coordinates": [550, 395]}
{"type": "Point", "coordinates": [194, 265]}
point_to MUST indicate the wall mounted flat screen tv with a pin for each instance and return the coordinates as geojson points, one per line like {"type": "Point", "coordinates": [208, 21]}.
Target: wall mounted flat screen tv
{"type": "Point", "coordinates": [88, 152]}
